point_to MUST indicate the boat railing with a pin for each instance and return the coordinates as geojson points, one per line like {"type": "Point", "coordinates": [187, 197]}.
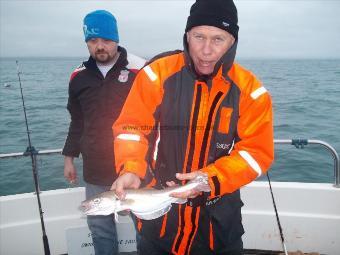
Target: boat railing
{"type": "Point", "coordinates": [301, 143]}
{"type": "Point", "coordinates": [298, 143]}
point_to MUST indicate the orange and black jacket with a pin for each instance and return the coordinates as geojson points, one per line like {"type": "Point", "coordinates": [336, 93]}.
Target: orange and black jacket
{"type": "Point", "coordinates": [176, 121]}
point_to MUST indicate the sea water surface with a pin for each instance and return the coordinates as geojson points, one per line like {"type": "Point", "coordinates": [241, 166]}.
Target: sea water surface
{"type": "Point", "coordinates": [306, 97]}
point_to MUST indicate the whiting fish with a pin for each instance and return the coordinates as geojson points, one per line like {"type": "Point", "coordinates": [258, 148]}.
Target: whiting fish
{"type": "Point", "coordinates": [145, 203]}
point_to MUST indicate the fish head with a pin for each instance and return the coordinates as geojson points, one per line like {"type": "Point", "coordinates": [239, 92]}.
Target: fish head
{"type": "Point", "coordinates": [103, 204]}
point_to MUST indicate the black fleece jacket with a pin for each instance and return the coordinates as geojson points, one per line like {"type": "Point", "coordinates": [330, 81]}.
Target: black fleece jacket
{"type": "Point", "coordinates": [94, 104]}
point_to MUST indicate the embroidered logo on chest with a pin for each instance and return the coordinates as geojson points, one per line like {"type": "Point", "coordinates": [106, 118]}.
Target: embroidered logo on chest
{"type": "Point", "coordinates": [123, 76]}
{"type": "Point", "coordinates": [222, 146]}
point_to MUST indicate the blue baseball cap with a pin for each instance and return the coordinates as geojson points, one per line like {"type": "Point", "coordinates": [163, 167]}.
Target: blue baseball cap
{"type": "Point", "coordinates": [100, 24]}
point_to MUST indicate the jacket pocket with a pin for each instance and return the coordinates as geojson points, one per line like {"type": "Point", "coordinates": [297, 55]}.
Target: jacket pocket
{"type": "Point", "coordinates": [225, 115]}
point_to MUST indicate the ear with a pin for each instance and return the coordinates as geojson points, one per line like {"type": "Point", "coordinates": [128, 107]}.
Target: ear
{"type": "Point", "coordinates": [187, 34]}
{"type": "Point", "coordinates": [232, 39]}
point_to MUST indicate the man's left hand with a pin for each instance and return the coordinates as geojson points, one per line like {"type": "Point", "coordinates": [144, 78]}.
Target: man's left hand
{"type": "Point", "coordinates": [190, 193]}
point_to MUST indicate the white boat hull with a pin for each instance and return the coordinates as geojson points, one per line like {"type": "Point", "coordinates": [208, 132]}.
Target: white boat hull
{"type": "Point", "coordinates": [309, 214]}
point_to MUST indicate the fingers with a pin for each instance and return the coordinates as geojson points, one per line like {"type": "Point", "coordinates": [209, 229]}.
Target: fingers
{"type": "Point", "coordinates": [73, 181]}
{"type": "Point", "coordinates": [186, 194]}
{"type": "Point", "coordinates": [127, 180]}
{"type": "Point", "coordinates": [188, 176]}
{"type": "Point", "coordinates": [71, 177]}
{"type": "Point", "coordinates": [113, 186]}
{"type": "Point", "coordinates": [135, 183]}
{"type": "Point", "coordinates": [171, 184]}
{"type": "Point", "coordinates": [119, 189]}
{"type": "Point", "coordinates": [67, 174]}
{"type": "Point", "coordinates": [70, 172]}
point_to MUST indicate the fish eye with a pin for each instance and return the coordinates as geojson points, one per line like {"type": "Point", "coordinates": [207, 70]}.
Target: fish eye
{"type": "Point", "coordinates": [96, 200]}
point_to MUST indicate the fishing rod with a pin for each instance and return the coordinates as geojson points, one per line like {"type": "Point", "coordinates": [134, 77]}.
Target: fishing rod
{"type": "Point", "coordinates": [32, 152]}
{"type": "Point", "coordinates": [277, 218]}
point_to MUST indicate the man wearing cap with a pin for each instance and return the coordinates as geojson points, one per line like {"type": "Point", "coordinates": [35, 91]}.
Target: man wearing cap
{"type": "Point", "coordinates": [207, 116]}
{"type": "Point", "coordinates": [97, 92]}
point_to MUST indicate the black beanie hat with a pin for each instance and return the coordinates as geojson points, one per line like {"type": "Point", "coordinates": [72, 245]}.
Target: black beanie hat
{"type": "Point", "coordinates": [217, 13]}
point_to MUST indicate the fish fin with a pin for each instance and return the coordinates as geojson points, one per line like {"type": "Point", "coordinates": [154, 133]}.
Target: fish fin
{"type": "Point", "coordinates": [153, 214]}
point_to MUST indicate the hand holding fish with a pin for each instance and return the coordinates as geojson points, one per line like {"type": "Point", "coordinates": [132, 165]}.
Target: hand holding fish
{"type": "Point", "coordinates": [125, 181]}
{"type": "Point", "coordinates": [146, 204]}
{"type": "Point", "coordinates": [192, 193]}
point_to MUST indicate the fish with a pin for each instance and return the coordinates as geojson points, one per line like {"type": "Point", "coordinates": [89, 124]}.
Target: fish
{"type": "Point", "coordinates": [145, 203]}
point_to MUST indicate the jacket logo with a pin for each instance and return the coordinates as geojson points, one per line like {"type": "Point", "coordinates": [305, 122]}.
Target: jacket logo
{"type": "Point", "coordinates": [212, 202]}
{"type": "Point", "coordinates": [222, 146]}
{"type": "Point", "coordinates": [123, 76]}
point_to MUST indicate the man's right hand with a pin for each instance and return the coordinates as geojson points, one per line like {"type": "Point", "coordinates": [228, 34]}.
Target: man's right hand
{"type": "Point", "coordinates": [70, 171]}
{"type": "Point", "coordinates": [125, 181]}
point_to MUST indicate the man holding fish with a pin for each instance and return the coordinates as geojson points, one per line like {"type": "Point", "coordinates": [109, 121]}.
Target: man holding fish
{"type": "Point", "coordinates": [195, 114]}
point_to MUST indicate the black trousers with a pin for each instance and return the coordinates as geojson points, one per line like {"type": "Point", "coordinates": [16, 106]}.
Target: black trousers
{"type": "Point", "coordinates": [150, 247]}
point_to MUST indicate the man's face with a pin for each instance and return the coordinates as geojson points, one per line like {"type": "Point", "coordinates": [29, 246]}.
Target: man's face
{"type": "Point", "coordinates": [207, 44]}
{"type": "Point", "coordinates": [102, 50]}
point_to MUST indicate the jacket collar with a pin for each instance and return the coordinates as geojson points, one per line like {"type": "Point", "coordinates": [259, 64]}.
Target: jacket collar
{"type": "Point", "coordinates": [225, 62]}
{"type": "Point", "coordinates": [121, 61]}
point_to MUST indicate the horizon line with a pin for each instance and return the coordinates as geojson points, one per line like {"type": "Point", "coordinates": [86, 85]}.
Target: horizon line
{"type": "Point", "coordinates": [241, 57]}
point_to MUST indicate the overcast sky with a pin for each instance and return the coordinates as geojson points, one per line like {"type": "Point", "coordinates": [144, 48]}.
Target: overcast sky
{"type": "Point", "coordinates": [268, 29]}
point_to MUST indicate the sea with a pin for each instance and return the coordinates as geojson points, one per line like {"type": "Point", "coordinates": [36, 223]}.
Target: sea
{"type": "Point", "coordinates": [305, 92]}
